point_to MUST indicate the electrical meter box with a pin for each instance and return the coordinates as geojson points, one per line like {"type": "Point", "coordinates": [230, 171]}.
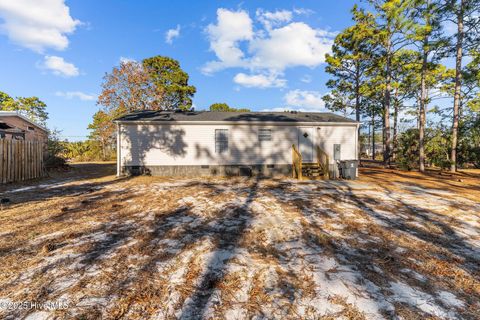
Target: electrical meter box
{"type": "Point", "coordinates": [336, 152]}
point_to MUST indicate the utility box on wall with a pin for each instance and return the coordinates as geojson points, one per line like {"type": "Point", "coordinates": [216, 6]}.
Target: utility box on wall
{"type": "Point", "coordinates": [337, 155]}
{"type": "Point", "coordinates": [337, 152]}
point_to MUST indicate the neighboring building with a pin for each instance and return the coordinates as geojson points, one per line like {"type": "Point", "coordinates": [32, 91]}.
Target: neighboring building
{"type": "Point", "coordinates": [367, 148]}
{"type": "Point", "coordinates": [225, 143]}
{"type": "Point", "coordinates": [13, 125]}
{"type": "Point", "coordinates": [23, 148]}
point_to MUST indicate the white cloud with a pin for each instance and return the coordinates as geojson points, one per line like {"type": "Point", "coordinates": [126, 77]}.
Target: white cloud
{"type": "Point", "coordinates": [259, 81]}
{"type": "Point", "coordinates": [306, 78]}
{"type": "Point", "coordinates": [305, 100]}
{"type": "Point", "coordinates": [303, 11]}
{"type": "Point", "coordinates": [279, 45]}
{"type": "Point", "coordinates": [59, 67]}
{"type": "Point", "coordinates": [76, 95]}
{"type": "Point", "coordinates": [278, 109]}
{"type": "Point", "coordinates": [172, 34]}
{"type": "Point", "coordinates": [231, 28]}
{"type": "Point", "coordinates": [126, 60]}
{"type": "Point", "coordinates": [296, 44]}
{"type": "Point", "coordinates": [270, 19]}
{"type": "Point", "coordinates": [37, 24]}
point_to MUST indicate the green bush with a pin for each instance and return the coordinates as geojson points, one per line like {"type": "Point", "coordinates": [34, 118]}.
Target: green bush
{"type": "Point", "coordinates": [437, 148]}
{"type": "Point", "coordinates": [407, 157]}
{"type": "Point", "coordinates": [88, 150]}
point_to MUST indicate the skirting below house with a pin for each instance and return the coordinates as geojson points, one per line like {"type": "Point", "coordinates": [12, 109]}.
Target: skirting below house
{"type": "Point", "coordinates": [268, 170]}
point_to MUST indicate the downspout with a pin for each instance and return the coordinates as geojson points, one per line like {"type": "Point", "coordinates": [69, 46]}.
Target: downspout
{"type": "Point", "coordinates": [357, 145]}
{"type": "Point", "coordinates": [119, 155]}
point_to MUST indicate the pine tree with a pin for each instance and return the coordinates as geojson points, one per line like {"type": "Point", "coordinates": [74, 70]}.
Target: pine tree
{"type": "Point", "coordinates": [394, 23]}
{"type": "Point", "coordinates": [348, 64]}
{"type": "Point", "coordinates": [103, 131]}
{"type": "Point", "coordinates": [465, 14]}
{"type": "Point", "coordinates": [404, 74]}
{"type": "Point", "coordinates": [428, 38]}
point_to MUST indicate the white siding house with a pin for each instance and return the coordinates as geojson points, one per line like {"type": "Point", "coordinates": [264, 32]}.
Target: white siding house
{"type": "Point", "coordinates": [205, 143]}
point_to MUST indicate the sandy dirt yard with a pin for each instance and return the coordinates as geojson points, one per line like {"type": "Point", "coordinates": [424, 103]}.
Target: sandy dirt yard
{"type": "Point", "coordinates": [392, 245]}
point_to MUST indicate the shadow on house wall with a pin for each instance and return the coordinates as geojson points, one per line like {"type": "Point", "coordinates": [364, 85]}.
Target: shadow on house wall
{"type": "Point", "coordinates": [244, 149]}
{"type": "Point", "coordinates": [167, 139]}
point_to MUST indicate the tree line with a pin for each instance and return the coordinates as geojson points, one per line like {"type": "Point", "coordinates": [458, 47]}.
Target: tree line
{"type": "Point", "coordinates": [399, 60]}
{"type": "Point", "coordinates": [156, 83]}
{"type": "Point", "coordinates": [31, 107]}
{"type": "Point", "coordinates": [391, 63]}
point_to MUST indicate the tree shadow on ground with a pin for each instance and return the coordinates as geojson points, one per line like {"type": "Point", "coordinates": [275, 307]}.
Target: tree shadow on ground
{"type": "Point", "coordinates": [70, 185]}
{"type": "Point", "coordinates": [433, 179]}
{"type": "Point", "coordinates": [363, 250]}
{"type": "Point", "coordinates": [360, 249]}
{"type": "Point", "coordinates": [224, 229]}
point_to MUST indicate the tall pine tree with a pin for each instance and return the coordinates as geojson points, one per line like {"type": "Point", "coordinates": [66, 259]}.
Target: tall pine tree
{"type": "Point", "coordinates": [465, 15]}
{"type": "Point", "coordinates": [428, 37]}
{"type": "Point", "coordinates": [349, 63]}
{"type": "Point", "coordinates": [393, 24]}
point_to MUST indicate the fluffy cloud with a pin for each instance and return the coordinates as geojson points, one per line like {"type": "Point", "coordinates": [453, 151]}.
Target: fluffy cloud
{"type": "Point", "coordinates": [37, 24]}
{"type": "Point", "coordinates": [279, 45]}
{"type": "Point", "coordinates": [296, 44]}
{"type": "Point", "coordinates": [259, 81]}
{"type": "Point", "coordinates": [59, 67]}
{"type": "Point", "coordinates": [270, 19]}
{"type": "Point", "coordinates": [172, 34]}
{"type": "Point", "coordinates": [305, 100]}
{"type": "Point", "coordinates": [126, 60]}
{"type": "Point", "coordinates": [231, 28]}
{"type": "Point", "coordinates": [76, 95]}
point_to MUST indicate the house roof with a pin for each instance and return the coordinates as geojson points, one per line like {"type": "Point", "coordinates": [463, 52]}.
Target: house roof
{"type": "Point", "coordinates": [215, 116]}
{"type": "Point", "coordinates": [19, 115]}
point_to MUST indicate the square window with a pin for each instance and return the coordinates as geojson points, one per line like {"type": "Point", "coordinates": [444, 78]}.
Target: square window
{"type": "Point", "coordinates": [221, 140]}
{"type": "Point", "coordinates": [264, 134]}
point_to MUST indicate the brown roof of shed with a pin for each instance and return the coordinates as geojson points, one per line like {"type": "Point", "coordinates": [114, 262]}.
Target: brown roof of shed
{"type": "Point", "coordinates": [207, 116]}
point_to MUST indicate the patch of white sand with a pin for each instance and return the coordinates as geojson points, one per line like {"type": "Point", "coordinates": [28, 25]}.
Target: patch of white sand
{"type": "Point", "coordinates": [419, 299]}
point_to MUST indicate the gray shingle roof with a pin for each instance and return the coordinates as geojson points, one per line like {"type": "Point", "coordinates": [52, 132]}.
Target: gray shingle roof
{"type": "Point", "coordinates": [200, 116]}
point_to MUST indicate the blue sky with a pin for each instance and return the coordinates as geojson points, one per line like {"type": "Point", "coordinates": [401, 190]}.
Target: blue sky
{"type": "Point", "coordinates": [262, 55]}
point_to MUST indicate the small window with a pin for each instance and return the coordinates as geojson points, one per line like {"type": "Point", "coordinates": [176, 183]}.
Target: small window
{"type": "Point", "coordinates": [264, 134]}
{"type": "Point", "coordinates": [31, 128]}
{"type": "Point", "coordinates": [221, 140]}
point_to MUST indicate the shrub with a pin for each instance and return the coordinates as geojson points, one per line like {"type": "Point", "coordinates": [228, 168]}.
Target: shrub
{"type": "Point", "coordinates": [408, 149]}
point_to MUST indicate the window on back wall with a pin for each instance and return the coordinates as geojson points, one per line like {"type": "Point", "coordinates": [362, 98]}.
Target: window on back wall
{"type": "Point", "coordinates": [221, 140]}
{"type": "Point", "coordinates": [264, 134]}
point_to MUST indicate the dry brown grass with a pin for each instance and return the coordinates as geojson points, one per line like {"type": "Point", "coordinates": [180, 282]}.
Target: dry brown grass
{"type": "Point", "coordinates": [143, 247]}
{"type": "Point", "coordinates": [349, 311]}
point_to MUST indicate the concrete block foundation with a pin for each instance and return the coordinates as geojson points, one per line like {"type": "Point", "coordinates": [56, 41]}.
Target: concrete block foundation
{"type": "Point", "coordinates": [268, 170]}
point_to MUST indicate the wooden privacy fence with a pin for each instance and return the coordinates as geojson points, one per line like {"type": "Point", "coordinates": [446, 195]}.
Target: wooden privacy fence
{"type": "Point", "coordinates": [21, 160]}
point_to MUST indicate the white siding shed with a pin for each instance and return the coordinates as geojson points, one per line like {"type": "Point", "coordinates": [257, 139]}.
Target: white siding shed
{"type": "Point", "coordinates": [211, 139]}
